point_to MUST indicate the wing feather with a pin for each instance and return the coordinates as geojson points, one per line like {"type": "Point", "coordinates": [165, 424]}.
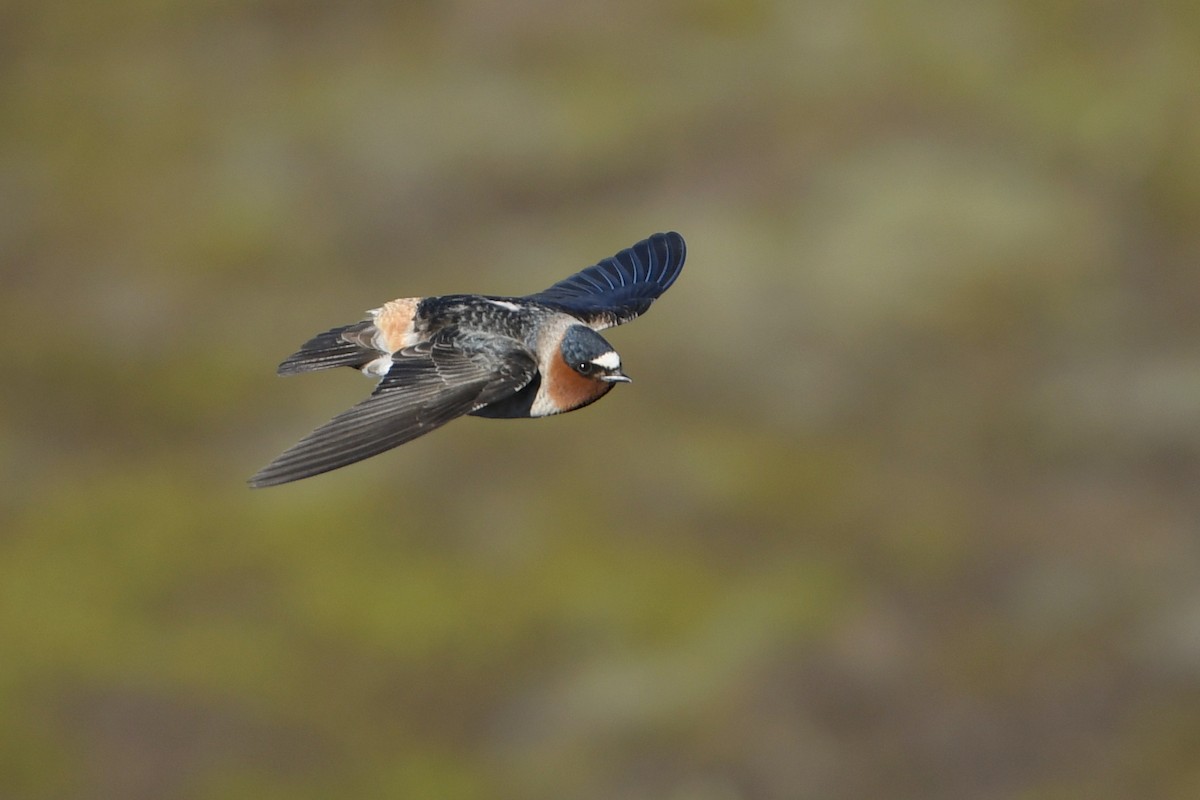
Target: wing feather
{"type": "Point", "coordinates": [621, 287]}
{"type": "Point", "coordinates": [425, 388]}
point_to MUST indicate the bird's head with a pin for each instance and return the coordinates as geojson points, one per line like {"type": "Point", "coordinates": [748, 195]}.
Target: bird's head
{"type": "Point", "coordinates": [587, 354]}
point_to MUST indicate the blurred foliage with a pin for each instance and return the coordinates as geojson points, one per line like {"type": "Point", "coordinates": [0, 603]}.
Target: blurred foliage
{"type": "Point", "coordinates": [902, 503]}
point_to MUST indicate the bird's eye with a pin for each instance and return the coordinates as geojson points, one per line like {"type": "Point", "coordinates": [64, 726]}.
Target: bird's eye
{"type": "Point", "coordinates": [584, 366]}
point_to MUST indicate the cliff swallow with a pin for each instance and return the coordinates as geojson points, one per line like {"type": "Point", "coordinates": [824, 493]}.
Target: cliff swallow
{"type": "Point", "coordinates": [439, 358]}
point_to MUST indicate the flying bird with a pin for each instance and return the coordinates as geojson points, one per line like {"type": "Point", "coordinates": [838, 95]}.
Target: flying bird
{"type": "Point", "coordinates": [440, 358]}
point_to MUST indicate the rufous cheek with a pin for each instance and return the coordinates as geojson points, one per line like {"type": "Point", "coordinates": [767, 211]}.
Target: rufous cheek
{"type": "Point", "coordinates": [567, 389]}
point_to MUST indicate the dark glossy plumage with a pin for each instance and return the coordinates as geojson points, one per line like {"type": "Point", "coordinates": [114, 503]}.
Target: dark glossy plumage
{"type": "Point", "coordinates": [440, 358]}
{"type": "Point", "coordinates": [430, 385]}
{"type": "Point", "coordinates": [619, 288]}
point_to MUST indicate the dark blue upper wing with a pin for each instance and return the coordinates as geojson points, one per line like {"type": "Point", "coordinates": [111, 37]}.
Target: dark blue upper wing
{"type": "Point", "coordinates": [621, 287]}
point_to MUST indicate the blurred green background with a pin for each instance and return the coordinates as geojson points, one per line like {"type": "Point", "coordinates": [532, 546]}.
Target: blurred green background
{"type": "Point", "coordinates": [903, 502]}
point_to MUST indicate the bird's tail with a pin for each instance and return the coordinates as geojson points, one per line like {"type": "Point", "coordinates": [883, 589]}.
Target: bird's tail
{"type": "Point", "coordinates": [333, 348]}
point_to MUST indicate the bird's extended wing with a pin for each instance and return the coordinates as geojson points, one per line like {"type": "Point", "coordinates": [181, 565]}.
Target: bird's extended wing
{"type": "Point", "coordinates": [427, 386]}
{"type": "Point", "coordinates": [622, 287]}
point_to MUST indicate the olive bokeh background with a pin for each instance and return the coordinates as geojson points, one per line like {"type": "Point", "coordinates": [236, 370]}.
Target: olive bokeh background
{"type": "Point", "coordinates": [903, 500]}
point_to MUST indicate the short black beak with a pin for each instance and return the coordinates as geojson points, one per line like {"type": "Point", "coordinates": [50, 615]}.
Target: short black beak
{"type": "Point", "coordinates": [616, 377]}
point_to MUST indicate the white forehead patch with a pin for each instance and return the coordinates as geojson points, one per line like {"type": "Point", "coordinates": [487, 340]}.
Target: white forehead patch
{"type": "Point", "coordinates": [609, 360]}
